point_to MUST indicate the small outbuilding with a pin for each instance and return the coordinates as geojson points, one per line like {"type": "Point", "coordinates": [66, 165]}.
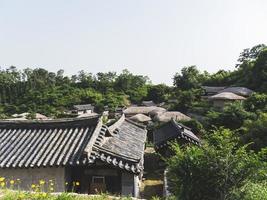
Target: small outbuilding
{"type": "Point", "coordinates": [219, 100]}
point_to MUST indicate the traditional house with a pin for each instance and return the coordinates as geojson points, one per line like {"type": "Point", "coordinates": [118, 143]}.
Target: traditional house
{"type": "Point", "coordinates": [219, 100]}
{"type": "Point", "coordinates": [173, 131]}
{"type": "Point", "coordinates": [83, 109]}
{"type": "Point", "coordinates": [100, 158]}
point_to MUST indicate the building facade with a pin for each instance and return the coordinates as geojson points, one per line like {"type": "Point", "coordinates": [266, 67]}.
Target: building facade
{"type": "Point", "coordinates": [99, 158]}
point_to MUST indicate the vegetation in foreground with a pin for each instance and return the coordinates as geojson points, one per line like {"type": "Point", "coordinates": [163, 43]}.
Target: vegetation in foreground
{"type": "Point", "coordinates": [221, 169]}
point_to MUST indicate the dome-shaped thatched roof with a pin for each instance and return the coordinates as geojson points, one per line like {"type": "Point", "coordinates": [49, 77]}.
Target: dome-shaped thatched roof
{"type": "Point", "coordinates": [156, 112]}
{"type": "Point", "coordinates": [226, 96]}
{"type": "Point", "coordinates": [140, 110]}
{"type": "Point", "coordinates": [167, 116]}
{"type": "Point", "coordinates": [140, 118]}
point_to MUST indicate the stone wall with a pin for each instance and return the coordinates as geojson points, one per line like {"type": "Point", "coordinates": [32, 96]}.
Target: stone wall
{"type": "Point", "coordinates": [33, 175]}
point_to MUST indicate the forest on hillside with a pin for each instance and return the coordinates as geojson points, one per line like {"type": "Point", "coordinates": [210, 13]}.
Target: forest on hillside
{"type": "Point", "coordinates": [49, 93]}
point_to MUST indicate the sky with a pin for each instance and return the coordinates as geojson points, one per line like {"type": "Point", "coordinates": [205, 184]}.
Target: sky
{"type": "Point", "coordinates": [149, 37]}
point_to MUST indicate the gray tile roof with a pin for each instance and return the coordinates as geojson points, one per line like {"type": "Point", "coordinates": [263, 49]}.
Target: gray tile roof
{"type": "Point", "coordinates": [44, 143]}
{"type": "Point", "coordinates": [171, 131]}
{"type": "Point", "coordinates": [124, 146]}
{"type": "Point", "coordinates": [70, 142]}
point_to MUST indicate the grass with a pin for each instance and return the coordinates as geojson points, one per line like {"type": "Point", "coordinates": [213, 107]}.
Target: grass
{"type": "Point", "coordinates": [152, 186]}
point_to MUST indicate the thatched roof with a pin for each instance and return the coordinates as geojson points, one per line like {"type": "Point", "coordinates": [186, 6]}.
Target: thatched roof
{"type": "Point", "coordinates": [141, 110]}
{"type": "Point", "coordinates": [226, 96]}
{"type": "Point", "coordinates": [26, 114]}
{"type": "Point", "coordinates": [148, 103]}
{"type": "Point", "coordinates": [167, 116]}
{"type": "Point", "coordinates": [140, 118]}
{"type": "Point", "coordinates": [242, 91]}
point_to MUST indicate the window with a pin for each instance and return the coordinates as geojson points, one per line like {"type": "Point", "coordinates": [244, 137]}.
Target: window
{"type": "Point", "coordinates": [98, 179]}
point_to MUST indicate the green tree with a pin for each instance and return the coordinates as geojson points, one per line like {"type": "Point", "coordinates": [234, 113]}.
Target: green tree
{"type": "Point", "coordinates": [213, 171]}
{"type": "Point", "coordinates": [190, 78]}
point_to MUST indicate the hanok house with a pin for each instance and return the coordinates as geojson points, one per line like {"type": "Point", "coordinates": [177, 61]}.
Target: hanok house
{"type": "Point", "coordinates": [170, 132]}
{"type": "Point", "coordinates": [100, 158]}
{"type": "Point", "coordinates": [83, 109]}
{"type": "Point", "coordinates": [221, 99]}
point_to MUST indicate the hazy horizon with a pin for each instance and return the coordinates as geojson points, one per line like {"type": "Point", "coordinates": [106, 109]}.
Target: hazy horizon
{"type": "Point", "coordinates": [149, 37]}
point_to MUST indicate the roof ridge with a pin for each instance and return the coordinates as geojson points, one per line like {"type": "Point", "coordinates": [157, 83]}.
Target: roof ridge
{"type": "Point", "coordinates": [135, 123]}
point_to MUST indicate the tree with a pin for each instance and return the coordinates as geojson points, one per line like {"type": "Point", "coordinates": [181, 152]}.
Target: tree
{"type": "Point", "coordinates": [232, 116]}
{"type": "Point", "coordinates": [158, 93]}
{"type": "Point", "coordinates": [255, 132]}
{"type": "Point", "coordinates": [256, 102]}
{"type": "Point", "coordinates": [190, 78]}
{"type": "Point", "coordinates": [213, 171]}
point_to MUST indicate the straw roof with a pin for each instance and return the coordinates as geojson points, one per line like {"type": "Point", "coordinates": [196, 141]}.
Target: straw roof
{"type": "Point", "coordinates": [242, 91]}
{"type": "Point", "coordinates": [25, 115]}
{"type": "Point", "coordinates": [148, 103]}
{"type": "Point", "coordinates": [167, 116]}
{"type": "Point", "coordinates": [140, 118]}
{"type": "Point", "coordinates": [226, 96]}
{"type": "Point", "coordinates": [141, 110]}
{"type": "Point", "coordinates": [156, 112]}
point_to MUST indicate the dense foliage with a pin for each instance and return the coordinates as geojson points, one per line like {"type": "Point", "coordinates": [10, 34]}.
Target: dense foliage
{"type": "Point", "coordinates": [219, 169]}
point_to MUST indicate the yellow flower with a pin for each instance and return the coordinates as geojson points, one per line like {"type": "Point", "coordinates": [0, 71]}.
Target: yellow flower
{"type": "Point", "coordinates": [51, 189]}
{"type": "Point", "coordinates": [77, 183]}
{"type": "Point", "coordinates": [51, 184]}
{"type": "Point", "coordinates": [2, 179]}
{"type": "Point", "coordinates": [3, 184]}
{"type": "Point", "coordinates": [42, 182]}
{"type": "Point", "coordinates": [44, 195]}
{"type": "Point", "coordinates": [12, 182]}
{"type": "Point", "coordinates": [66, 183]}
{"type": "Point", "coordinates": [33, 186]}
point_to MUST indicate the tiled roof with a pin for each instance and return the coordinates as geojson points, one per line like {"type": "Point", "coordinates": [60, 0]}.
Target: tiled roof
{"type": "Point", "coordinates": [171, 131]}
{"type": "Point", "coordinates": [123, 147]}
{"type": "Point", "coordinates": [70, 142]}
{"type": "Point", "coordinates": [44, 143]}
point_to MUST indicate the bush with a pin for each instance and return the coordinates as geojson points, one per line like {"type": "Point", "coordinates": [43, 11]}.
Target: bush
{"type": "Point", "coordinates": [214, 170]}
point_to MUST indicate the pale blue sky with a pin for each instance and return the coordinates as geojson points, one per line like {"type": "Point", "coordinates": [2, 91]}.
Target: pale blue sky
{"type": "Point", "coordinates": [151, 37]}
